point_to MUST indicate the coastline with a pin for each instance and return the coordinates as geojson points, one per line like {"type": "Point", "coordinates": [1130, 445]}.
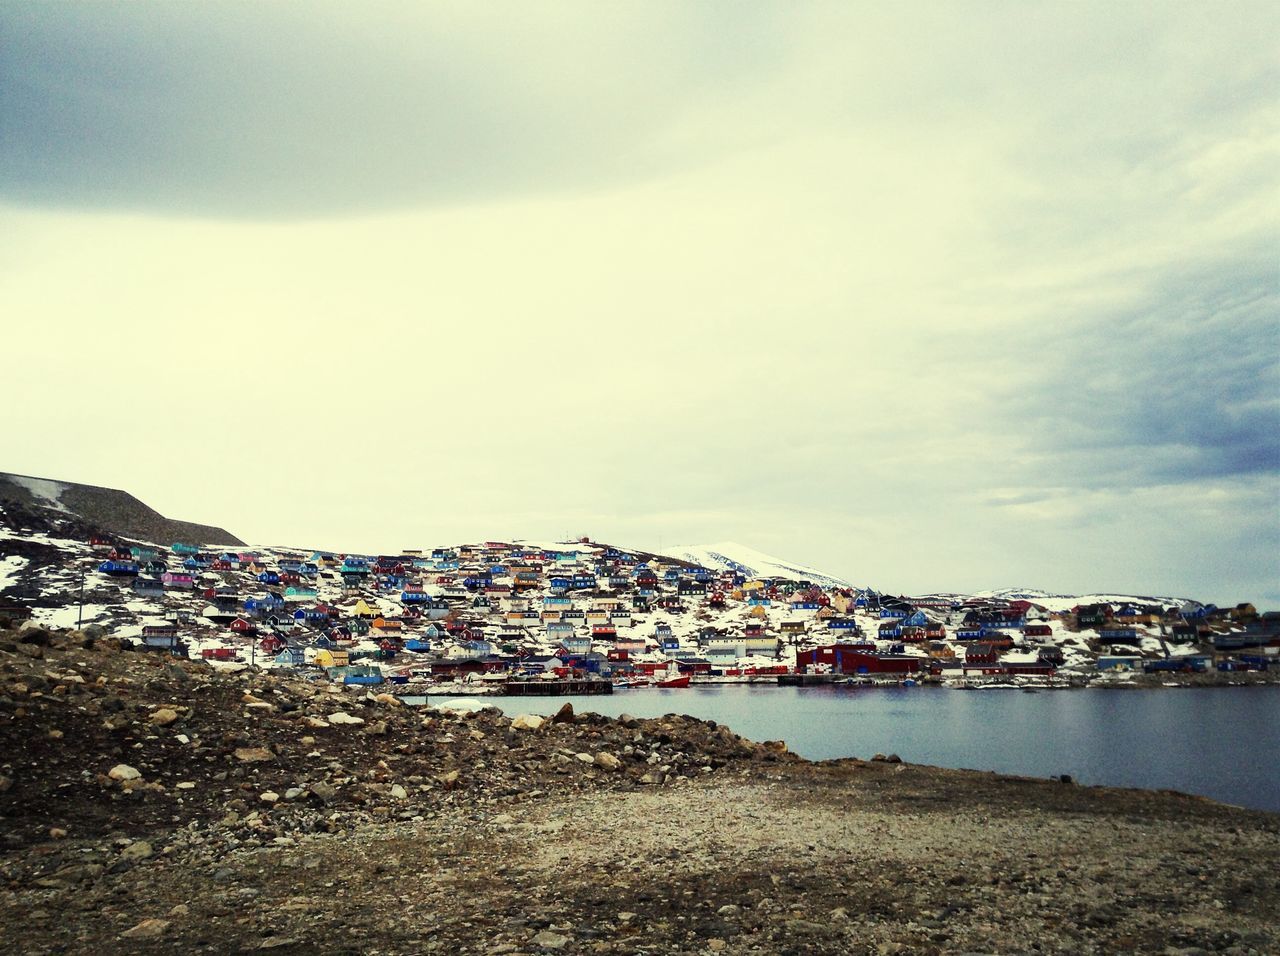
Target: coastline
{"type": "Point", "coordinates": [297, 819]}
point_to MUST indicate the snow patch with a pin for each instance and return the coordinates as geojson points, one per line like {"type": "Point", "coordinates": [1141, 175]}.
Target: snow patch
{"type": "Point", "coordinates": [731, 556]}
{"type": "Point", "coordinates": [9, 569]}
{"type": "Point", "coordinates": [49, 492]}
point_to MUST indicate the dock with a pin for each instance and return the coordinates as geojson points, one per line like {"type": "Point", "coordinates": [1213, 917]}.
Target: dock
{"type": "Point", "coordinates": [555, 688]}
{"type": "Point", "coordinates": [809, 680]}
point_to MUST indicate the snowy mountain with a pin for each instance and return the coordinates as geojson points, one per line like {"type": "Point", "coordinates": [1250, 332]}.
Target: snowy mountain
{"type": "Point", "coordinates": [1064, 602]}
{"type": "Point", "coordinates": [729, 555]}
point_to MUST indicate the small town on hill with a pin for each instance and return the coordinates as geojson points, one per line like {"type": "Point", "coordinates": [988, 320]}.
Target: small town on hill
{"type": "Point", "coordinates": [543, 618]}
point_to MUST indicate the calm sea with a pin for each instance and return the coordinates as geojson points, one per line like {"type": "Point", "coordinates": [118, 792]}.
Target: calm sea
{"type": "Point", "coordinates": [1218, 742]}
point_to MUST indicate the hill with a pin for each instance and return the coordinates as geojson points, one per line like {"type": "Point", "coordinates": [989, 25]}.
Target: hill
{"type": "Point", "coordinates": [108, 509]}
{"type": "Point", "coordinates": [731, 556]}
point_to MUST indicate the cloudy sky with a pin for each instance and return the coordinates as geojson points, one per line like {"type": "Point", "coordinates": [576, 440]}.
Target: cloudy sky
{"type": "Point", "coordinates": [928, 295]}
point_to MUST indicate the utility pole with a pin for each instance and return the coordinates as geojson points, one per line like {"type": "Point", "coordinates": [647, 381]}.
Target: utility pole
{"type": "Point", "coordinates": [80, 613]}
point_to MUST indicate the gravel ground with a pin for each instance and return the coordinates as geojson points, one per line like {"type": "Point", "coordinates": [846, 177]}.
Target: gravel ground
{"type": "Point", "coordinates": [259, 818]}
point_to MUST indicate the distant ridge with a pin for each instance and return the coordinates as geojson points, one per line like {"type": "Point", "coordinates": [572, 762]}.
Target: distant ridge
{"type": "Point", "coordinates": [731, 556]}
{"type": "Point", "coordinates": [108, 509]}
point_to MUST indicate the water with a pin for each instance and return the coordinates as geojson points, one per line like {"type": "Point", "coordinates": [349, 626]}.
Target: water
{"type": "Point", "coordinates": [1222, 743]}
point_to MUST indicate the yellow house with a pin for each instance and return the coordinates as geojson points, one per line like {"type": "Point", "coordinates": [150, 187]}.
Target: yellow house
{"type": "Point", "coordinates": [328, 658]}
{"type": "Point", "coordinates": [753, 586]}
{"type": "Point", "coordinates": [758, 611]}
{"type": "Point", "coordinates": [842, 603]}
{"type": "Point", "coordinates": [362, 609]}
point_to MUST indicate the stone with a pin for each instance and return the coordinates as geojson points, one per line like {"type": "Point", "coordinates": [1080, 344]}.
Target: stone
{"type": "Point", "coordinates": [57, 833]}
{"type": "Point", "coordinates": [138, 850]}
{"type": "Point", "coordinates": [564, 715]}
{"type": "Point", "coordinates": [607, 760]}
{"type": "Point", "coordinates": [391, 700]}
{"type": "Point", "coordinates": [377, 729]}
{"type": "Point", "coordinates": [342, 717]}
{"type": "Point", "coordinates": [324, 791]}
{"type": "Point", "coordinates": [398, 792]}
{"type": "Point", "coordinates": [715, 944]}
{"type": "Point", "coordinates": [164, 717]}
{"type": "Point", "coordinates": [585, 758]}
{"type": "Point", "coordinates": [316, 723]}
{"type": "Point", "coordinates": [527, 722]}
{"type": "Point", "coordinates": [549, 940]}
{"type": "Point", "coordinates": [147, 929]}
{"type": "Point", "coordinates": [186, 785]}
{"type": "Point", "coordinates": [253, 754]}
{"type": "Point", "coordinates": [269, 796]}
{"type": "Point", "coordinates": [729, 910]}
{"type": "Point", "coordinates": [123, 772]}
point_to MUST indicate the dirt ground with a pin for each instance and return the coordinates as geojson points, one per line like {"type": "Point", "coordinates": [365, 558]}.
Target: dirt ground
{"type": "Point", "coordinates": [277, 815]}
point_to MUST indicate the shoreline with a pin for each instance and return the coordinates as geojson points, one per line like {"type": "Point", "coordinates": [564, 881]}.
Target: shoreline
{"type": "Point", "coordinates": [156, 806]}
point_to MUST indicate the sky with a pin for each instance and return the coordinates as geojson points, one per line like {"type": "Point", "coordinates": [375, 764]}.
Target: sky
{"type": "Point", "coordinates": [930, 296]}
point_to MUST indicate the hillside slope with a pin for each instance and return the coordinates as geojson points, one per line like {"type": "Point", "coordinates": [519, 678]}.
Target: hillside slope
{"type": "Point", "coordinates": [108, 509]}
{"type": "Point", "coordinates": [731, 556]}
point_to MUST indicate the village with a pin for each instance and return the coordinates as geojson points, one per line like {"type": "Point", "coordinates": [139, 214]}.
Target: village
{"type": "Point", "coordinates": [585, 617]}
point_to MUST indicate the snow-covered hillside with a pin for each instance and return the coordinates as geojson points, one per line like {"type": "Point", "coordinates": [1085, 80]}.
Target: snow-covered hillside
{"type": "Point", "coordinates": [1065, 602]}
{"type": "Point", "coordinates": [729, 555]}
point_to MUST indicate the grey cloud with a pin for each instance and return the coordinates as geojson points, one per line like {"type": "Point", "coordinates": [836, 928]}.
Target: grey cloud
{"type": "Point", "coordinates": [290, 109]}
{"type": "Point", "coordinates": [1182, 387]}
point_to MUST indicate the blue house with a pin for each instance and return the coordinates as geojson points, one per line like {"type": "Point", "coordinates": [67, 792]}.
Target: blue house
{"type": "Point", "coordinates": [268, 577]}
{"type": "Point", "coordinates": [1118, 635]}
{"type": "Point", "coordinates": [894, 613]}
{"type": "Point", "coordinates": [119, 569]}
{"type": "Point", "coordinates": [291, 657]}
{"type": "Point", "coordinates": [916, 619]}
{"type": "Point", "coordinates": [969, 633]}
{"type": "Point", "coordinates": [842, 624]}
{"type": "Point", "coordinates": [890, 629]}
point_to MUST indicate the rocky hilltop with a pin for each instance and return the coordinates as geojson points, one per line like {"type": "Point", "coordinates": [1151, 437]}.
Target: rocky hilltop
{"type": "Point", "coordinates": [157, 805]}
{"type": "Point", "coordinates": [107, 510]}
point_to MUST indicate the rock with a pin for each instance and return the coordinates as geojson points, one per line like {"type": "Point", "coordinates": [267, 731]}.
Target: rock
{"type": "Point", "coordinates": [324, 791]}
{"type": "Point", "coordinates": [652, 778]}
{"type": "Point", "coordinates": [398, 792]}
{"type": "Point", "coordinates": [31, 650]}
{"type": "Point", "coordinates": [585, 758]}
{"type": "Point", "coordinates": [729, 910]}
{"type": "Point", "coordinates": [391, 700]}
{"type": "Point", "coordinates": [269, 796]}
{"type": "Point", "coordinates": [549, 940]}
{"type": "Point", "coordinates": [607, 760]}
{"type": "Point", "coordinates": [450, 778]}
{"type": "Point", "coordinates": [186, 785]}
{"type": "Point", "coordinates": [6, 784]}
{"type": "Point", "coordinates": [123, 772]}
{"type": "Point", "coordinates": [164, 717]}
{"type": "Point", "coordinates": [715, 944]}
{"type": "Point", "coordinates": [293, 793]}
{"type": "Point", "coordinates": [377, 729]}
{"type": "Point", "coordinates": [253, 754]}
{"type": "Point", "coordinates": [316, 723]}
{"type": "Point", "coordinates": [147, 929]}
{"type": "Point", "coordinates": [342, 717]}
{"type": "Point", "coordinates": [57, 833]}
{"type": "Point", "coordinates": [564, 715]}
{"type": "Point", "coordinates": [138, 850]}
{"type": "Point", "coordinates": [527, 722]}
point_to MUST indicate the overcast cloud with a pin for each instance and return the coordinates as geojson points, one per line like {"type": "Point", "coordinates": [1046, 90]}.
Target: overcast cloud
{"type": "Point", "coordinates": [928, 296]}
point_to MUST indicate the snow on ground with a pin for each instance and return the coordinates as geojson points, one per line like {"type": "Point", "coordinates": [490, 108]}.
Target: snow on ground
{"type": "Point", "coordinates": [69, 614]}
{"type": "Point", "coordinates": [1065, 602]}
{"type": "Point", "coordinates": [738, 557]}
{"type": "Point", "coordinates": [9, 568]}
{"type": "Point", "coordinates": [48, 492]}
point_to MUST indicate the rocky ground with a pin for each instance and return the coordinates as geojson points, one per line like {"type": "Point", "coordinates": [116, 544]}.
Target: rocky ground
{"type": "Point", "coordinates": [150, 805]}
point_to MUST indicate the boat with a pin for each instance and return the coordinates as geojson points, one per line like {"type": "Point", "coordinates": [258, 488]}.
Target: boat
{"type": "Point", "coordinates": [672, 677]}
